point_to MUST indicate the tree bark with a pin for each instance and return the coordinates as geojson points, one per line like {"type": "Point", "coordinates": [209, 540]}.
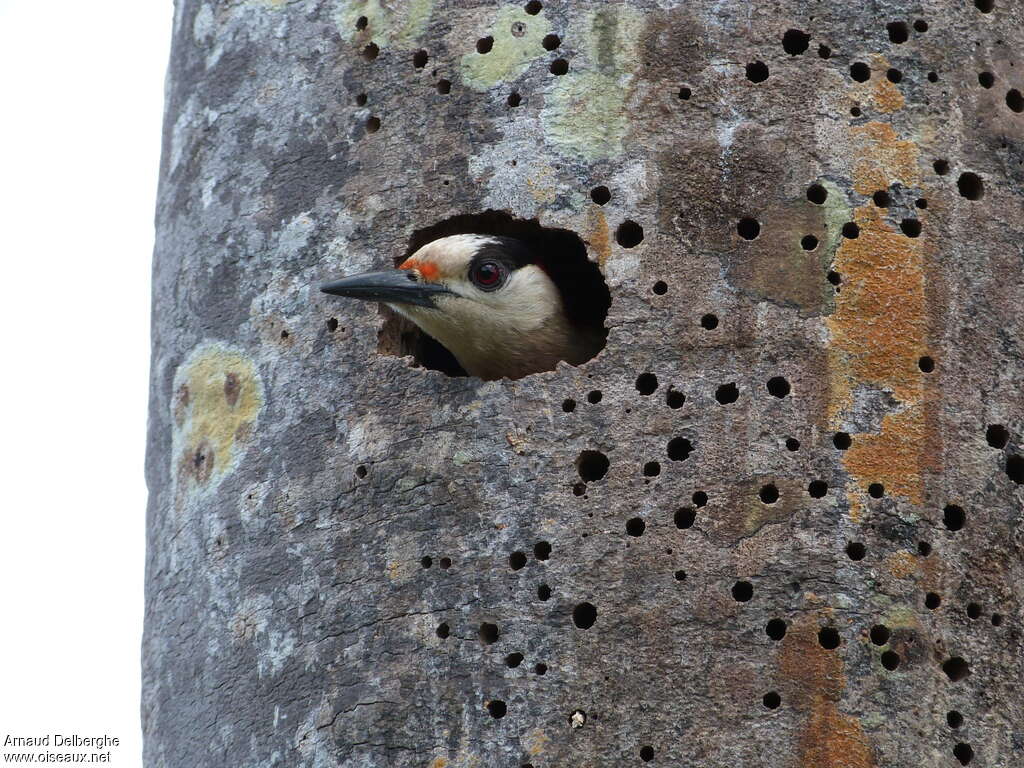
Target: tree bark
{"type": "Point", "coordinates": [777, 521]}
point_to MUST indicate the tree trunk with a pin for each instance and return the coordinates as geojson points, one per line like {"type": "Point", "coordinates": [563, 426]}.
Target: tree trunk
{"type": "Point", "coordinates": [777, 521]}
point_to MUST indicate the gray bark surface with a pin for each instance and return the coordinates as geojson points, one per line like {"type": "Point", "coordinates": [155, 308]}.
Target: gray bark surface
{"type": "Point", "coordinates": [348, 553]}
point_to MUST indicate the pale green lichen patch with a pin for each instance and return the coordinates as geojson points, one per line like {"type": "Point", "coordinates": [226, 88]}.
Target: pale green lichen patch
{"type": "Point", "coordinates": [517, 40]}
{"type": "Point", "coordinates": [389, 24]}
{"type": "Point", "coordinates": [217, 399]}
{"type": "Point", "coordinates": [586, 110]}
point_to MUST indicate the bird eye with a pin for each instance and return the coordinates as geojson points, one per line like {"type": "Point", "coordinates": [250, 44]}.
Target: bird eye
{"type": "Point", "coordinates": [488, 275]}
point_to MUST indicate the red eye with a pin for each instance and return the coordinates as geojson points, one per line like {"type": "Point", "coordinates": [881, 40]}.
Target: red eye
{"type": "Point", "coordinates": [487, 275]}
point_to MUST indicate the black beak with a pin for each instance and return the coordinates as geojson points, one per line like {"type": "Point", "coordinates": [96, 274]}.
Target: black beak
{"type": "Point", "coordinates": [395, 286]}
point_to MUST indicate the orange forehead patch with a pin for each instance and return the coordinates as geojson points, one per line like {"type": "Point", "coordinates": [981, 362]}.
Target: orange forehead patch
{"type": "Point", "coordinates": [427, 269]}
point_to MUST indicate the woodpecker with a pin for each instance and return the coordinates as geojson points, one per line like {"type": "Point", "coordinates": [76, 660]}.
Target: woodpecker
{"type": "Point", "coordinates": [487, 299]}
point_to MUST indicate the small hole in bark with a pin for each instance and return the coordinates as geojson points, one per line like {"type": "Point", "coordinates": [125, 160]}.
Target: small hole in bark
{"type": "Point", "coordinates": [284, 335]}
{"type": "Point", "coordinates": [550, 42]}
{"type": "Point", "coordinates": [569, 405]}
{"type": "Point", "coordinates": [685, 93]}
{"type": "Point", "coordinates": [778, 386]}
{"type": "Point", "coordinates": [1015, 468]}
{"type": "Point", "coordinates": [860, 71]}
{"type": "Point", "coordinates": [600, 195]}
{"type": "Point", "coordinates": [684, 517]}
{"type": "Point", "coordinates": [580, 489]}
{"type": "Point", "coordinates": [660, 288]}
{"type": "Point", "coordinates": [941, 167]}
{"type": "Point", "coordinates": [542, 550]}
{"type": "Point", "coordinates": [680, 575]}
{"type": "Point", "coordinates": [817, 194]}
{"type": "Point", "coordinates": [1015, 100]}
{"type": "Point", "coordinates": [636, 526]}
{"type": "Point", "coordinates": [855, 550]}
{"type": "Point", "coordinates": [514, 99]}
{"type": "Point", "coordinates": [768, 494]}
{"type": "Point", "coordinates": [488, 633]}
{"type": "Point", "coordinates": [933, 77]}
{"type": "Point", "coordinates": [932, 601]}
{"type": "Point", "coordinates": [924, 548]}
{"type": "Point", "coordinates": [742, 591]}
{"type": "Point", "coordinates": [419, 59]}
{"type": "Point", "coordinates": [559, 67]}
{"type": "Point", "coordinates": [997, 619]}
{"type": "Point", "coordinates": [543, 592]}
{"type": "Point", "coordinates": [647, 753]}
{"type": "Point", "coordinates": [880, 634]}
{"type": "Point", "coordinates": [361, 99]}
{"type": "Point", "coordinates": [876, 490]}
{"type": "Point", "coordinates": [485, 44]}
{"type": "Point", "coordinates": [443, 630]}
{"type": "Point", "coordinates": [332, 325]}
{"type": "Point", "coordinates": [646, 383]}
{"type": "Point", "coordinates": [426, 561]}
{"type": "Point", "coordinates": [775, 629]}
{"type": "Point", "coordinates": [679, 449]}
{"type": "Point", "coordinates": [795, 42]}
{"type": "Point", "coordinates": [748, 228]}
{"type": "Point", "coordinates": [890, 660]}
{"type": "Point", "coordinates": [584, 615]}
{"type": "Point", "coordinates": [629, 234]}
{"type": "Point", "coordinates": [444, 86]}
{"type": "Point", "coordinates": [517, 560]}
{"type": "Point", "coordinates": [699, 498]}
{"type": "Point", "coordinates": [926, 364]}
{"type": "Point", "coordinates": [828, 638]}
{"type": "Point", "coordinates": [445, 563]}
{"type": "Point", "coordinates": [771, 700]}
{"type": "Point", "coordinates": [541, 669]}
{"type": "Point", "coordinates": [533, 7]}
{"type": "Point", "coordinates": [911, 227]}
{"type": "Point", "coordinates": [882, 199]}
{"type": "Point", "coordinates": [842, 440]}
{"type": "Point", "coordinates": [898, 31]}
{"type": "Point", "coordinates": [361, 471]}
{"type": "Point", "coordinates": [709, 322]}
{"type": "Point", "coordinates": [986, 79]}
{"type": "Point", "coordinates": [592, 465]}
{"type": "Point", "coordinates": [674, 399]}
{"type": "Point", "coordinates": [954, 517]}
{"type": "Point", "coordinates": [851, 230]}
{"type": "Point", "coordinates": [361, 22]}
{"type": "Point", "coordinates": [954, 719]}
{"type": "Point", "coordinates": [973, 611]}
{"type": "Point", "coordinates": [970, 186]}
{"type": "Point", "coordinates": [855, 111]}
{"type": "Point", "coordinates": [792, 444]}
{"type": "Point", "coordinates": [956, 668]}
{"type": "Point", "coordinates": [985, 6]}
{"type": "Point", "coordinates": [594, 396]}
{"type": "Point", "coordinates": [808, 242]}
{"type": "Point", "coordinates": [497, 708]}
{"type": "Point", "coordinates": [920, 25]}
{"type": "Point", "coordinates": [757, 72]}
{"type": "Point", "coordinates": [963, 752]}
{"type": "Point", "coordinates": [372, 124]}
{"type": "Point", "coordinates": [652, 469]}
{"type": "Point", "coordinates": [893, 75]}
{"type": "Point", "coordinates": [727, 393]}
{"type": "Point", "coordinates": [370, 52]}
{"type": "Point", "coordinates": [817, 489]}
{"type": "Point", "coordinates": [997, 435]}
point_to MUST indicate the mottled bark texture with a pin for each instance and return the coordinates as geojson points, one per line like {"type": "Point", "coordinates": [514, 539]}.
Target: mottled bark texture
{"type": "Point", "coordinates": [799, 520]}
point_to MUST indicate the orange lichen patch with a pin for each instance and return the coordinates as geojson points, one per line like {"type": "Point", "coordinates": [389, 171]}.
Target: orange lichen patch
{"type": "Point", "coordinates": [886, 96]}
{"type": "Point", "coordinates": [535, 742]}
{"type": "Point", "coordinates": [882, 158]}
{"type": "Point", "coordinates": [814, 683]}
{"type": "Point", "coordinates": [598, 237]}
{"type": "Point", "coordinates": [895, 456]}
{"type": "Point", "coordinates": [439, 762]}
{"type": "Point", "coordinates": [428, 270]}
{"type": "Point", "coordinates": [901, 564]}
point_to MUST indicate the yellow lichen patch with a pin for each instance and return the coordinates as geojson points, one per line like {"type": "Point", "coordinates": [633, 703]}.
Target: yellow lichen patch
{"type": "Point", "coordinates": [517, 38]}
{"type": "Point", "coordinates": [886, 96]}
{"type": "Point", "coordinates": [388, 24]}
{"type": "Point", "coordinates": [439, 762]}
{"type": "Point", "coordinates": [814, 682]}
{"type": "Point", "coordinates": [901, 564]}
{"type": "Point", "coordinates": [218, 396]}
{"type": "Point", "coordinates": [598, 236]}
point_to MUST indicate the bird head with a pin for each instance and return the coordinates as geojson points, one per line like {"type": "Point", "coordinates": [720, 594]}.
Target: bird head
{"type": "Point", "coordinates": [486, 298]}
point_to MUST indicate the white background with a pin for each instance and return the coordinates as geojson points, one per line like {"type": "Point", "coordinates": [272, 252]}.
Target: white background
{"type": "Point", "coordinates": [81, 97]}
